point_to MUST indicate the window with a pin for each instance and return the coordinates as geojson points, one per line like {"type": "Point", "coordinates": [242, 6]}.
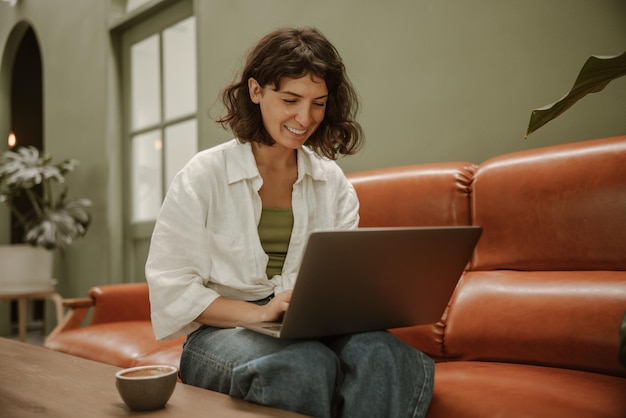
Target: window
{"type": "Point", "coordinates": [156, 45]}
{"type": "Point", "coordinates": [161, 112]}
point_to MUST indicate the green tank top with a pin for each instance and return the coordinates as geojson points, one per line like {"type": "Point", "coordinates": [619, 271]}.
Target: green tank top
{"type": "Point", "coordinates": [275, 229]}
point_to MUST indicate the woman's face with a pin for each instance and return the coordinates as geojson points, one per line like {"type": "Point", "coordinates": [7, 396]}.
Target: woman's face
{"type": "Point", "coordinates": [292, 111]}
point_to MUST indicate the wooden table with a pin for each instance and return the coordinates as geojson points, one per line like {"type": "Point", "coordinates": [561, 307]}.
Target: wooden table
{"type": "Point", "coordinates": [36, 381]}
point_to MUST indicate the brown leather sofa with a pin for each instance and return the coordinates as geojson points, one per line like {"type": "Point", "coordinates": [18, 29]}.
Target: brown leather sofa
{"type": "Point", "coordinates": [119, 331]}
{"type": "Point", "coordinates": [532, 329]}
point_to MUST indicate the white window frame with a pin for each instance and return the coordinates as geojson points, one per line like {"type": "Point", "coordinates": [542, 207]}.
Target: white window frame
{"type": "Point", "coordinates": [140, 24]}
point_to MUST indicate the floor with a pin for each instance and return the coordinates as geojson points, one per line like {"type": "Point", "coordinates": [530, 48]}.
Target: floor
{"type": "Point", "coordinates": [33, 337]}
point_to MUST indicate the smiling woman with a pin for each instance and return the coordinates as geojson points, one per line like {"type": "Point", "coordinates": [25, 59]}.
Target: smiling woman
{"type": "Point", "coordinates": [296, 54]}
{"type": "Point", "coordinates": [227, 245]}
{"type": "Point", "coordinates": [292, 111]}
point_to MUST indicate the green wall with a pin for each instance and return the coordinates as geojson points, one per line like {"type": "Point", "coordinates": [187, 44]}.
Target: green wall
{"type": "Point", "coordinates": [439, 81]}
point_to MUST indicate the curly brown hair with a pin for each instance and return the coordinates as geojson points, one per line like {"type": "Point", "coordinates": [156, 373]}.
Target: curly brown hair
{"type": "Point", "coordinates": [295, 53]}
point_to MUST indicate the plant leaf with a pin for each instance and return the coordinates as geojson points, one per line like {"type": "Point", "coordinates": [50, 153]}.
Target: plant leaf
{"type": "Point", "coordinates": [25, 168]}
{"type": "Point", "coordinates": [593, 77]}
{"type": "Point", "coordinates": [48, 222]}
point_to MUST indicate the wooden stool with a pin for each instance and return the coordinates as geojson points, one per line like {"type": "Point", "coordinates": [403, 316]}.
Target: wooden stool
{"type": "Point", "coordinates": [22, 299]}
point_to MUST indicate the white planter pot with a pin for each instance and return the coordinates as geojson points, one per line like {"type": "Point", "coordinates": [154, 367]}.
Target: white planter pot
{"type": "Point", "coordinates": [25, 269]}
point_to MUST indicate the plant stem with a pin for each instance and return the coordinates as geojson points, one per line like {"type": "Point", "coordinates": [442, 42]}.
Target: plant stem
{"type": "Point", "coordinates": [47, 194]}
{"type": "Point", "coordinates": [34, 202]}
{"type": "Point", "coordinates": [18, 216]}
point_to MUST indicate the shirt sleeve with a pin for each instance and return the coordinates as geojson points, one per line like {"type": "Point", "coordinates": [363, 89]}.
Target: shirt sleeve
{"type": "Point", "coordinates": [177, 262]}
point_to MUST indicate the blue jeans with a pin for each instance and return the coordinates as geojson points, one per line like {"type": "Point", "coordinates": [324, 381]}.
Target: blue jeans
{"type": "Point", "coordinates": [372, 374]}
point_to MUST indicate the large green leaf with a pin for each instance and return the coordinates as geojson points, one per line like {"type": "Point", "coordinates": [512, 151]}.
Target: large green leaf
{"type": "Point", "coordinates": [593, 77]}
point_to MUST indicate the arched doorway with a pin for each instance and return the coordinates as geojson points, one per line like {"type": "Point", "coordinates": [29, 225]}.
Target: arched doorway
{"type": "Point", "coordinates": [21, 93]}
{"type": "Point", "coordinates": [26, 101]}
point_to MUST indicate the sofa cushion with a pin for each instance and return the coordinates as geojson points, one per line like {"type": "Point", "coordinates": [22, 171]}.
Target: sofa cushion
{"type": "Point", "coordinates": [563, 319]}
{"type": "Point", "coordinates": [123, 344]}
{"type": "Point", "coordinates": [163, 352]}
{"type": "Point", "coordinates": [480, 389]}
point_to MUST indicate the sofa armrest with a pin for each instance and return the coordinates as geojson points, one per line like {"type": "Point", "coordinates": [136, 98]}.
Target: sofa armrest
{"type": "Point", "coordinates": [78, 303]}
{"type": "Point", "coordinates": [107, 303]}
{"type": "Point", "coordinates": [78, 310]}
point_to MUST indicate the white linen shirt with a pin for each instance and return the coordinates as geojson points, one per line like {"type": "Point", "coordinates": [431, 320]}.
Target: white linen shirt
{"type": "Point", "coordinates": [206, 243]}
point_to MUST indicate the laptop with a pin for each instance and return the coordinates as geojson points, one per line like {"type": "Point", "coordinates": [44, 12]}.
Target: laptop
{"type": "Point", "coordinates": [370, 279]}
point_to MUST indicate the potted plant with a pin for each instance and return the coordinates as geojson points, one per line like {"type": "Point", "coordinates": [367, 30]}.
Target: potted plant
{"type": "Point", "coordinates": [34, 190]}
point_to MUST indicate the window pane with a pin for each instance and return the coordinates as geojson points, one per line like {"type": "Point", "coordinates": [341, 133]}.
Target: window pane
{"type": "Point", "coordinates": [179, 68]}
{"type": "Point", "coordinates": [145, 73]}
{"type": "Point", "coordinates": [146, 176]}
{"type": "Point", "coordinates": [180, 146]}
{"type": "Point", "coordinates": [133, 4]}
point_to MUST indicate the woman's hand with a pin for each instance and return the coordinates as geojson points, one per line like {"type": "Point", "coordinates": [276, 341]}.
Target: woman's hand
{"type": "Point", "coordinates": [276, 307]}
{"type": "Point", "coordinates": [230, 313]}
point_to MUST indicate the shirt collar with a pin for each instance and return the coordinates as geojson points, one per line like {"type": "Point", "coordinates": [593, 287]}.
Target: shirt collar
{"type": "Point", "coordinates": [310, 163]}
{"type": "Point", "coordinates": [240, 164]}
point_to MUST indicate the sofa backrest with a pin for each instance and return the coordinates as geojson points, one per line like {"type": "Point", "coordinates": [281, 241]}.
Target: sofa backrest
{"type": "Point", "coordinates": [120, 302]}
{"type": "Point", "coordinates": [548, 277]}
{"type": "Point", "coordinates": [554, 208]}
{"type": "Point", "coordinates": [419, 195]}
{"type": "Point", "coordinates": [547, 282]}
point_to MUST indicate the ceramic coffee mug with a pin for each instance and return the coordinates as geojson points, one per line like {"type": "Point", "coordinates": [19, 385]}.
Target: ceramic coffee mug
{"type": "Point", "coordinates": [146, 388]}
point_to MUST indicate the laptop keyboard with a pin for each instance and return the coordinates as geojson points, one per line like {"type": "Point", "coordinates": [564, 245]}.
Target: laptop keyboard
{"type": "Point", "coordinates": [273, 327]}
